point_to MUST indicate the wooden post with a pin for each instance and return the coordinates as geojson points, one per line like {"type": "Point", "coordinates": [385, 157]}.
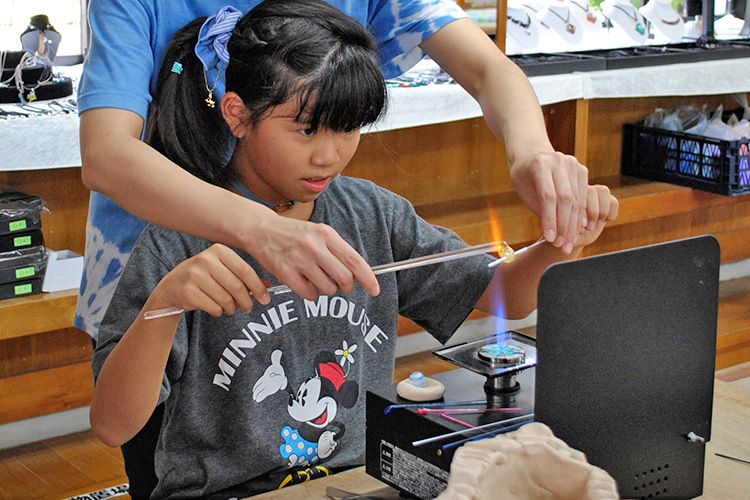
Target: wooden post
{"type": "Point", "coordinates": [501, 23]}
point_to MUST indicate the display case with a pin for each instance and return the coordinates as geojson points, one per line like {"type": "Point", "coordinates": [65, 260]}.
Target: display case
{"type": "Point", "coordinates": [561, 36]}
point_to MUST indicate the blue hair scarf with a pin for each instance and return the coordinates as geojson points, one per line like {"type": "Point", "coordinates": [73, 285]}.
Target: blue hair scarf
{"type": "Point", "coordinates": [211, 48]}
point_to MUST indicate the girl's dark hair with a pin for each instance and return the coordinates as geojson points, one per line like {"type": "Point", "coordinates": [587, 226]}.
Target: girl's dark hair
{"type": "Point", "coordinates": [282, 49]}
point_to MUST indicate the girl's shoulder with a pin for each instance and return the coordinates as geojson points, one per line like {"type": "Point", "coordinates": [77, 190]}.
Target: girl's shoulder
{"type": "Point", "coordinates": [168, 244]}
{"type": "Point", "coordinates": [359, 202]}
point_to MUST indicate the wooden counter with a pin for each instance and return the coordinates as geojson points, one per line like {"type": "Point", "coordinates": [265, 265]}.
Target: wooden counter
{"type": "Point", "coordinates": [724, 479]}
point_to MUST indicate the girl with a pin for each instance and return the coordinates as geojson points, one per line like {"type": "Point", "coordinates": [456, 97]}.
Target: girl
{"type": "Point", "coordinates": [251, 394]}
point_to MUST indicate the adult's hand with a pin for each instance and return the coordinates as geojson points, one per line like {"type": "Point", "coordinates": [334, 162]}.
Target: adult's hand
{"type": "Point", "coordinates": [554, 186]}
{"type": "Point", "coordinates": [550, 184]}
{"type": "Point", "coordinates": [309, 257]}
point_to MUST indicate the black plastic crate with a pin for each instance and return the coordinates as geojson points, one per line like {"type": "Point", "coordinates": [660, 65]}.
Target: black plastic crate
{"type": "Point", "coordinates": [695, 161]}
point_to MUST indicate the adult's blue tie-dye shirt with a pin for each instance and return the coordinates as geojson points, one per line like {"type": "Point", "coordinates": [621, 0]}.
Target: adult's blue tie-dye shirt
{"type": "Point", "coordinates": [128, 38]}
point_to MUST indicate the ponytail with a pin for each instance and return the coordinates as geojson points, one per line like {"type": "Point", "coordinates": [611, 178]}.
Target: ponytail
{"type": "Point", "coordinates": [181, 126]}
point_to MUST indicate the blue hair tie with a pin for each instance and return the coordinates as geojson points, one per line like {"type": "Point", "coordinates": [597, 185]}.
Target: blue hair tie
{"type": "Point", "coordinates": [211, 48]}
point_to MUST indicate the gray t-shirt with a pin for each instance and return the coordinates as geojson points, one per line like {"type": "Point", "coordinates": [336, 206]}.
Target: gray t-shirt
{"type": "Point", "coordinates": [250, 395]}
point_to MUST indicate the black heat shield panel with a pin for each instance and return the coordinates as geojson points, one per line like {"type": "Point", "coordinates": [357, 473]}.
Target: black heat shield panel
{"type": "Point", "coordinates": [626, 355]}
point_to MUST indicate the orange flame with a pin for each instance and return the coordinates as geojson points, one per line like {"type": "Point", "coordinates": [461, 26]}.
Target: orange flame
{"type": "Point", "coordinates": [495, 229]}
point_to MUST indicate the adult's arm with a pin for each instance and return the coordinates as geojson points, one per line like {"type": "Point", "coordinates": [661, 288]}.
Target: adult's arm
{"type": "Point", "coordinates": [551, 184]}
{"type": "Point", "coordinates": [306, 256]}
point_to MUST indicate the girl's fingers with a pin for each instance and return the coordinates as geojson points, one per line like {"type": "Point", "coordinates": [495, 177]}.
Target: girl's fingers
{"type": "Point", "coordinates": [205, 302]}
{"type": "Point", "coordinates": [567, 214]}
{"type": "Point", "coordinates": [216, 280]}
{"type": "Point", "coordinates": [593, 204]}
{"type": "Point", "coordinates": [608, 205]}
{"type": "Point", "coordinates": [583, 184]}
{"type": "Point", "coordinates": [241, 280]}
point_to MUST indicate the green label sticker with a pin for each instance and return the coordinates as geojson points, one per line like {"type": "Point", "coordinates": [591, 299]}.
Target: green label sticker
{"type": "Point", "coordinates": [18, 225]}
{"type": "Point", "coordinates": [23, 289]}
{"type": "Point", "coordinates": [25, 272]}
{"type": "Point", "coordinates": [22, 241]}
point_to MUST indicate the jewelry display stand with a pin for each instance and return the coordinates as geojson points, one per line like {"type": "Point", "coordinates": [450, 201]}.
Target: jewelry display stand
{"type": "Point", "coordinates": [587, 16]}
{"type": "Point", "coordinates": [30, 75]}
{"type": "Point", "coordinates": [522, 29]}
{"type": "Point", "coordinates": [745, 31]}
{"type": "Point", "coordinates": [548, 41]}
{"type": "Point", "coordinates": [592, 22]}
{"type": "Point", "coordinates": [41, 37]}
{"type": "Point", "coordinates": [664, 20]}
{"type": "Point", "coordinates": [561, 20]}
{"type": "Point", "coordinates": [626, 18]}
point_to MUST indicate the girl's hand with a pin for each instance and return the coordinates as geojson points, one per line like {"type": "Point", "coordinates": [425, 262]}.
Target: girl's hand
{"type": "Point", "coordinates": [601, 207]}
{"type": "Point", "coordinates": [216, 280]}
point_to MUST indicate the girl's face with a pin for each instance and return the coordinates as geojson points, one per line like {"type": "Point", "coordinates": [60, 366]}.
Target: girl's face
{"type": "Point", "coordinates": [280, 160]}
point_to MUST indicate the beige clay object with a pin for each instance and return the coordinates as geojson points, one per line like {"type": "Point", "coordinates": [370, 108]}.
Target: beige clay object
{"type": "Point", "coordinates": [528, 464]}
{"type": "Point", "coordinates": [420, 388]}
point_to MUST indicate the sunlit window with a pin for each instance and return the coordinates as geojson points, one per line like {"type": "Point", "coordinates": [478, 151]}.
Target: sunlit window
{"type": "Point", "coordinates": [66, 16]}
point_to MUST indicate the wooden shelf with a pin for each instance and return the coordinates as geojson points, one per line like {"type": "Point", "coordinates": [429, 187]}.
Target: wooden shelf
{"type": "Point", "coordinates": [641, 202]}
{"type": "Point", "coordinates": [36, 314]}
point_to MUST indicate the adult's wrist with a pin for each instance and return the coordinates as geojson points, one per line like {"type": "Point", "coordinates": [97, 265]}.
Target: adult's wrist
{"type": "Point", "coordinates": [522, 155]}
{"type": "Point", "coordinates": [245, 223]}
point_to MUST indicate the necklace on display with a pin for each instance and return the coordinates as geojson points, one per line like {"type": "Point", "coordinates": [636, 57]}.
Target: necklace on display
{"type": "Point", "coordinates": [639, 27]}
{"type": "Point", "coordinates": [589, 16]}
{"type": "Point", "coordinates": [668, 23]}
{"type": "Point", "coordinates": [525, 25]}
{"type": "Point", "coordinates": [568, 26]}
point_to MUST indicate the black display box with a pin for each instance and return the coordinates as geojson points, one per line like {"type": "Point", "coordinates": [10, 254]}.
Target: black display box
{"type": "Point", "coordinates": [691, 160]}
{"type": "Point", "coordinates": [21, 241]}
{"type": "Point", "coordinates": [539, 64]}
{"type": "Point", "coordinates": [20, 289]}
{"type": "Point", "coordinates": [19, 211]}
{"type": "Point", "coordinates": [555, 64]}
{"type": "Point", "coordinates": [23, 265]}
{"type": "Point", "coordinates": [675, 53]}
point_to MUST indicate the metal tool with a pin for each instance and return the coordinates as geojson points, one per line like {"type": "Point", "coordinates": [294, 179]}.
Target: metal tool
{"type": "Point", "coordinates": [441, 404]}
{"type": "Point", "coordinates": [732, 458]}
{"type": "Point", "coordinates": [503, 423]}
